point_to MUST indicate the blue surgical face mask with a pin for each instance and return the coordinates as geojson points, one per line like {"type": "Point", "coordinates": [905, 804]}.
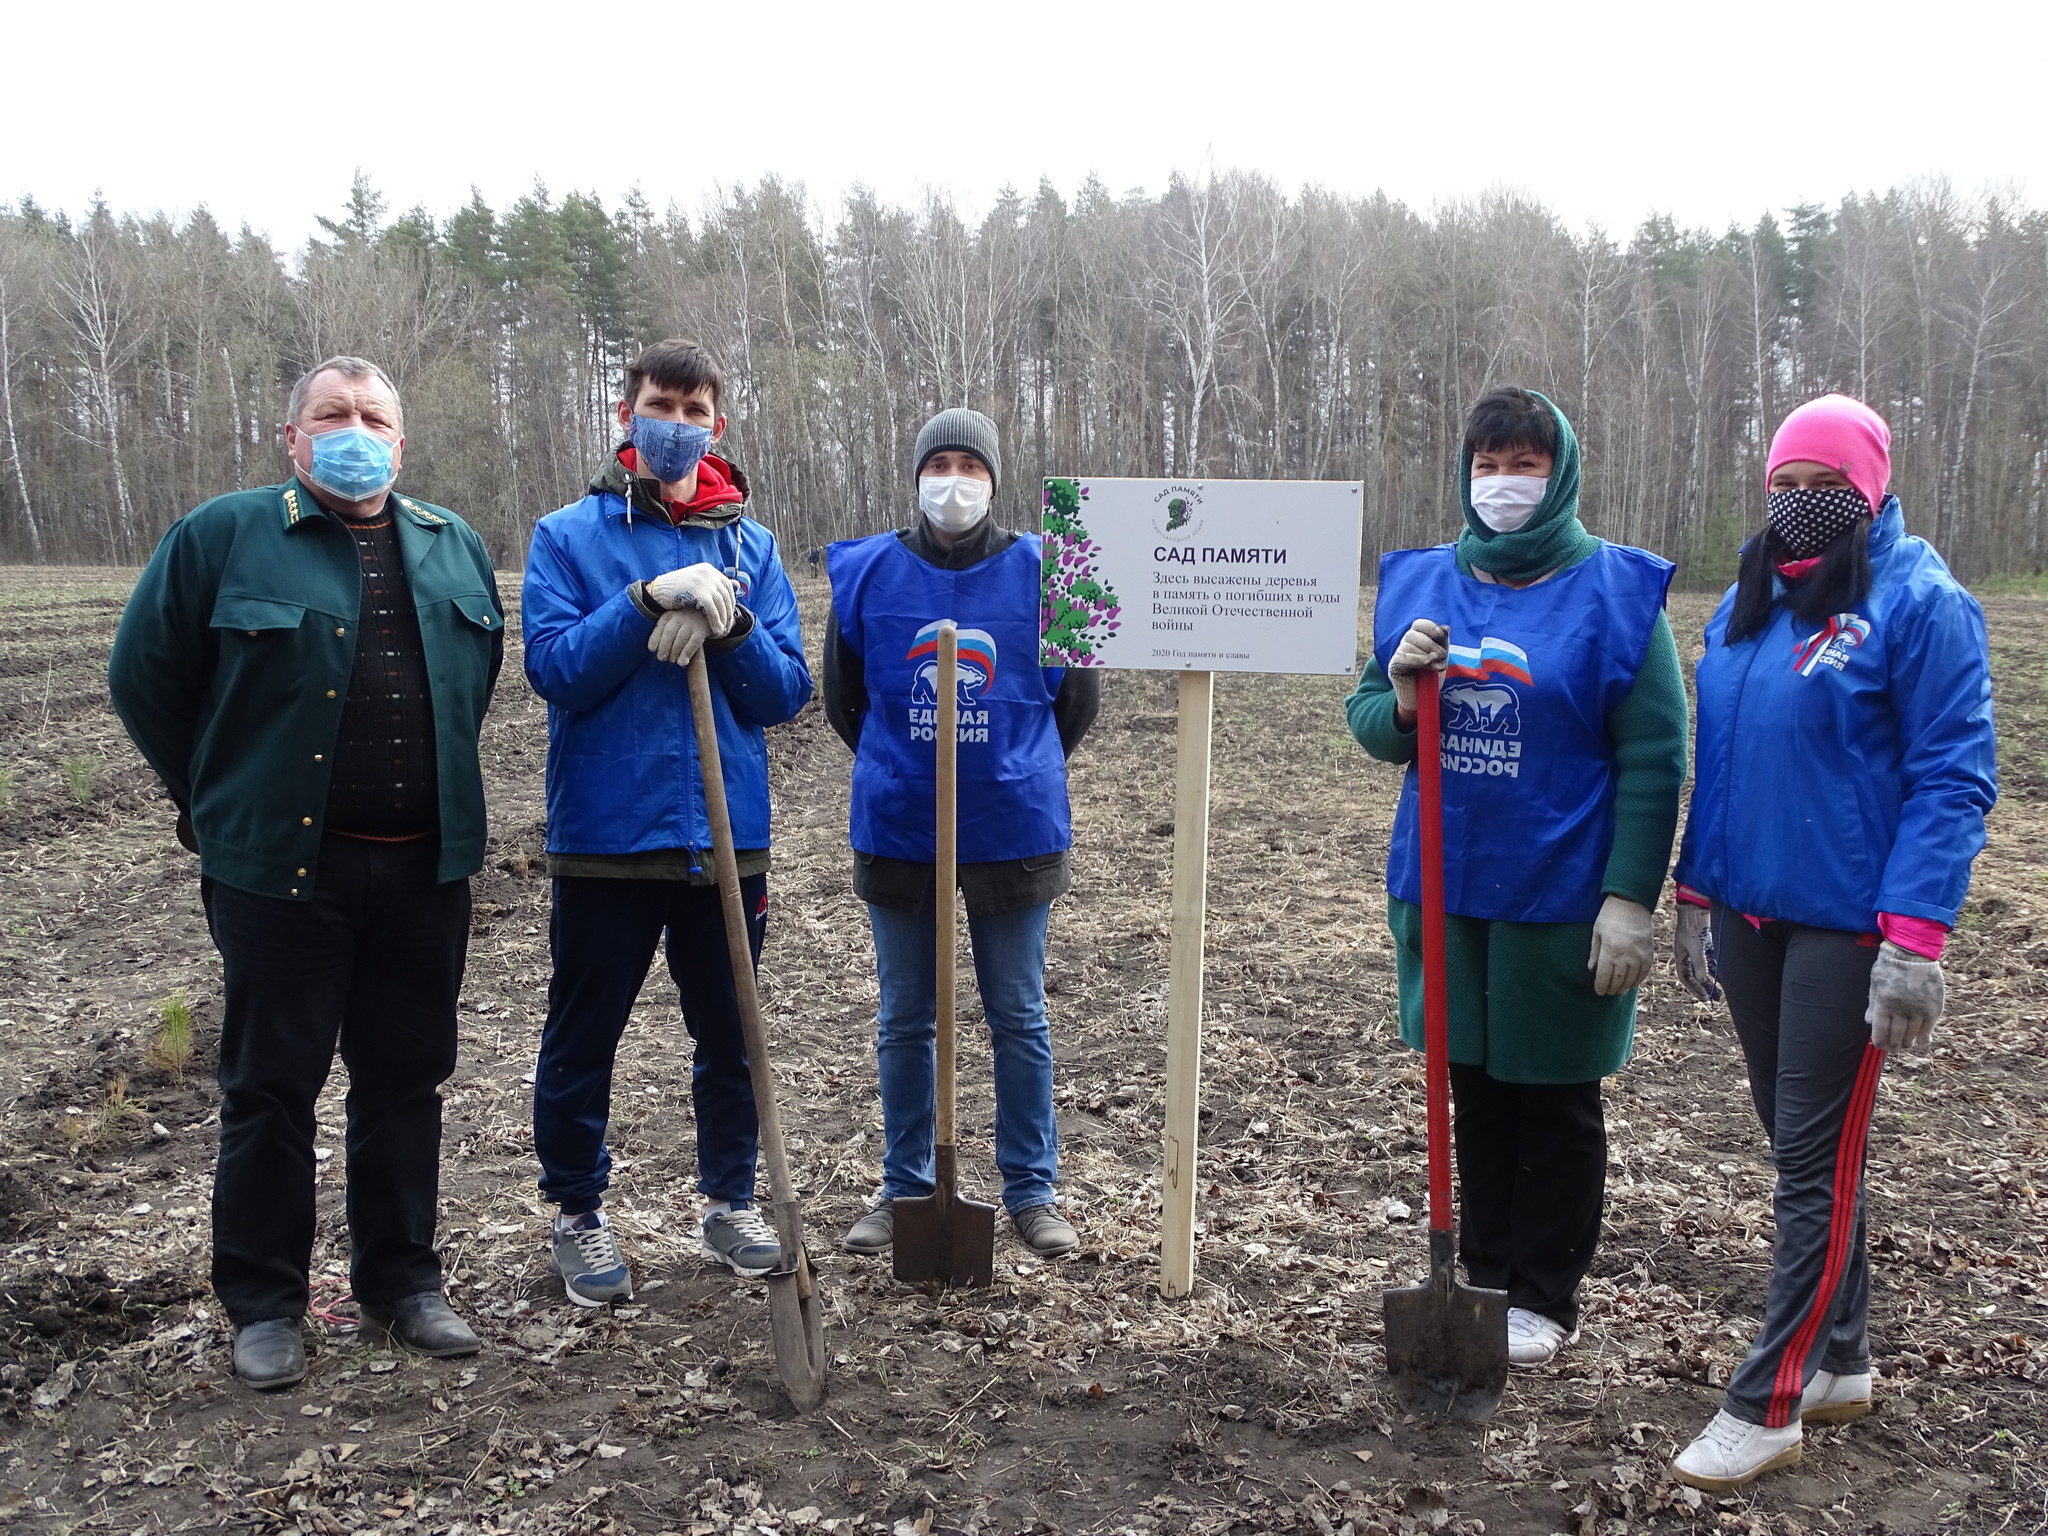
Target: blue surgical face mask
{"type": "Point", "coordinates": [352, 463]}
{"type": "Point", "coordinates": [669, 450]}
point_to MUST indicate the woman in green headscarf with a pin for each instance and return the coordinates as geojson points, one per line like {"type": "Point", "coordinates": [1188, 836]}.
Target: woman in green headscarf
{"type": "Point", "coordinates": [1563, 748]}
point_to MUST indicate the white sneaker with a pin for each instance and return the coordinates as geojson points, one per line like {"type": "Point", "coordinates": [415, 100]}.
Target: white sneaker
{"type": "Point", "coordinates": [1832, 1399]}
{"type": "Point", "coordinates": [1534, 1339]}
{"type": "Point", "coordinates": [1729, 1453]}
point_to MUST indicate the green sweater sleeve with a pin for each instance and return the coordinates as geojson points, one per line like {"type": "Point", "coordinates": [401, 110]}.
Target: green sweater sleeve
{"type": "Point", "coordinates": [1370, 710]}
{"type": "Point", "coordinates": [1647, 734]}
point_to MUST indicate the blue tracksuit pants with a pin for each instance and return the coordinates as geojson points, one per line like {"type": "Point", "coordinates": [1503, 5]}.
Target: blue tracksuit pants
{"type": "Point", "coordinates": [1798, 996]}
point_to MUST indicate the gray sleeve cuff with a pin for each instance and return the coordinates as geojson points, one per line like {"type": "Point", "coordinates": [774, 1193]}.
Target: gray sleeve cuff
{"type": "Point", "coordinates": [641, 600]}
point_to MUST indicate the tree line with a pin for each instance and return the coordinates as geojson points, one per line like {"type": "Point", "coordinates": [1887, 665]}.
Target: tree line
{"type": "Point", "coordinates": [1220, 328]}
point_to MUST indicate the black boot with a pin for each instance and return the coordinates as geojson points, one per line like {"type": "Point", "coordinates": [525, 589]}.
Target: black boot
{"type": "Point", "coordinates": [271, 1354]}
{"type": "Point", "coordinates": [426, 1325]}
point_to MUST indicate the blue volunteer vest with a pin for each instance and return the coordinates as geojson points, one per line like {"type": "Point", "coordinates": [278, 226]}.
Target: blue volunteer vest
{"type": "Point", "coordinates": [1528, 773]}
{"type": "Point", "coordinates": [1013, 776]}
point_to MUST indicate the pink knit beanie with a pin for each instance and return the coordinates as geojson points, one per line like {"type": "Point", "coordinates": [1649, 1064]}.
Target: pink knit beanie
{"type": "Point", "coordinates": [1843, 434]}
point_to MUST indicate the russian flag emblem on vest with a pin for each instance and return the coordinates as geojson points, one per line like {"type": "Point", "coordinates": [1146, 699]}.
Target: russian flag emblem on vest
{"type": "Point", "coordinates": [1490, 658]}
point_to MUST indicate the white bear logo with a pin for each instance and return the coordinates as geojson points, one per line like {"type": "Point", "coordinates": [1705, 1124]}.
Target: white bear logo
{"type": "Point", "coordinates": [969, 681]}
{"type": "Point", "coordinates": [1481, 709]}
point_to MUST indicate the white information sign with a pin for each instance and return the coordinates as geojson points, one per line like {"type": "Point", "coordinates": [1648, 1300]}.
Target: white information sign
{"type": "Point", "coordinates": [1202, 575]}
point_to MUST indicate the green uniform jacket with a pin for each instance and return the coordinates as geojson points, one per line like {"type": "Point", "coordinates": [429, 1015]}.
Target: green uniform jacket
{"type": "Point", "coordinates": [232, 664]}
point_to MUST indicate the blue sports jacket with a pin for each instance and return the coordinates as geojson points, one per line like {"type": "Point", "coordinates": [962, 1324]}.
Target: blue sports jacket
{"type": "Point", "coordinates": [1845, 769]}
{"type": "Point", "coordinates": [623, 775]}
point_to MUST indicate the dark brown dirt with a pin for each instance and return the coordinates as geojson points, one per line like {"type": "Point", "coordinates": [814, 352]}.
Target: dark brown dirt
{"type": "Point", "coordinates": [1070, 1397]}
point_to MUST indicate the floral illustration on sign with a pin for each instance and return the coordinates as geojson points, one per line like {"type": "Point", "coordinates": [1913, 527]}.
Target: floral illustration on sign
{"type": "Point", "coordinates": [1078, 610]}
{"type": "Point", "coordinates": [1176, 513]}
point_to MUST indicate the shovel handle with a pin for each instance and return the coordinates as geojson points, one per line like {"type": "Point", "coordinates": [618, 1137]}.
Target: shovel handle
{"type": "Point", "coordinates": [947, 868]}
{"type": "Point", "coordinates": [1436, 1013]}
{"type": "Point", "coordinates": [738, 947]}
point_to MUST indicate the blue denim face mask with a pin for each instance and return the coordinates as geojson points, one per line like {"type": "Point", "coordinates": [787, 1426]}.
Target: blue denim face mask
{"type": "Point", "coordinates": [352, 463]}
{"type": "Point", "coordinates": [669, 450]}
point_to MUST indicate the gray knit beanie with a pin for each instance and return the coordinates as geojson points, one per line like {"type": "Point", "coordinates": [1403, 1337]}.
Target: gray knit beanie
{"type": "Point", "coordinates": [963, 431]}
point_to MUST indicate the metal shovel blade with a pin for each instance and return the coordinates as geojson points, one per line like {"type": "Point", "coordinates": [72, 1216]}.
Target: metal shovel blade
{"type": "Point", "coordinates": [797, 1326]}
{"type": "Point", "coordinates": [944, 1237]}
{"type": "Point", "coordinates": [1447, 1343]}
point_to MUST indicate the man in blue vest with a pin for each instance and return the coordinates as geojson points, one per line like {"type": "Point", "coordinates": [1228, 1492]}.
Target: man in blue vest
{"type": "Point", "coordinates": [658, 561]}
{"type": "Point", "coordinates": [1019, 722]}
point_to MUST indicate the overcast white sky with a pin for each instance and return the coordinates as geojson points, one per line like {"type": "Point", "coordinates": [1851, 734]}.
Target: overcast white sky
{"type": "Point", "coordinates": [1709, 111]}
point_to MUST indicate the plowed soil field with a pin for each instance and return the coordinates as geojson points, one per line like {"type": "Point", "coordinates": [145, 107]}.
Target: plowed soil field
{"type": "Point", "coordinates": [1071, 1397]}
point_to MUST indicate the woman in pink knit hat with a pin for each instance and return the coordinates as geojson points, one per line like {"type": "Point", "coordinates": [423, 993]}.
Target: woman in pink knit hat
{"type": "Point", "coordinates": [1844, 766]}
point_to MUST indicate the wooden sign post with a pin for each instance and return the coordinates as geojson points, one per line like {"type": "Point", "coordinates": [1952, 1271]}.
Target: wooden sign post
{"type": "Point", "coordinates": [1197, 577]}
{"type": "Point", "coordinates": [1184, 982]}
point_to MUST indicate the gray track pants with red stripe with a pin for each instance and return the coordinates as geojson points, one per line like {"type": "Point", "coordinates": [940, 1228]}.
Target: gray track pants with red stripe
{"type": "Point", "coordinates": [1798, 996]}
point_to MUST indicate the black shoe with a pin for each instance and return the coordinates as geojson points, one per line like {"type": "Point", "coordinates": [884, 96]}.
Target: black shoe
{"type": "Point", "coordinates": [426, 1325]}
{"type": "Point", "coordinates": [874, 1232]}
{"type": "Point", "coordinates": [1045, 1230]}
{"type": "Point", "coordinates": [271, 1354]}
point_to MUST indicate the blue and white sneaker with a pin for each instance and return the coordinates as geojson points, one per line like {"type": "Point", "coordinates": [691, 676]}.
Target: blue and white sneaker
{"type": "Point", "coordinates": [587, 1257]}
{"type": "Point", "coordinates": [742, 1241]}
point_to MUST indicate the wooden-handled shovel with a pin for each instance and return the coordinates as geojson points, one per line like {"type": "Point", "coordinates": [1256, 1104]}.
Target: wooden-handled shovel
{"type": "Point", "coordinates": [941, 1236]}
{"type": "Point", "coordinates": [795, 1310]}
{"type": "Point", "coordinates": [1447, 1344]}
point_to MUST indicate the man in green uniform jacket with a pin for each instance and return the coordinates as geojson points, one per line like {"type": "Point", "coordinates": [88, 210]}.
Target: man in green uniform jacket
{"type": "Point", "coordinates": [306, 666]}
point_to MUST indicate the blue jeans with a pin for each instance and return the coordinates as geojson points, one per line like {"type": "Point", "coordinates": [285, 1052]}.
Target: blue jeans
{"type": "Point", "coordinates": [1009, 969]}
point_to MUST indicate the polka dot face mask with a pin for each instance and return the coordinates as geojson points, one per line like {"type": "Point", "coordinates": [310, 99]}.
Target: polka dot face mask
{"type": "Point", "coordinates": [1807, 522]}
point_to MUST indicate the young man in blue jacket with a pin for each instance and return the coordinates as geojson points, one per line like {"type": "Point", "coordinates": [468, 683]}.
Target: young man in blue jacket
{"type": "Point", "coordinates": [622, 590]}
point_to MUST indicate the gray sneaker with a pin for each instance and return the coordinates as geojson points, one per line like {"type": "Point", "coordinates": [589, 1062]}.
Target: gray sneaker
{"type": "Point", "coordinates": [593, 1270]}
{"type": "Point", "coordinates": [742, 1241]}
{"type": "Point", "coordinates": [1046, 1231]}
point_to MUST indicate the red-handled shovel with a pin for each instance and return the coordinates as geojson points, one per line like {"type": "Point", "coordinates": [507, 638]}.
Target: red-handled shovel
{"type": "Point", "coordinates": [1447, 1344]}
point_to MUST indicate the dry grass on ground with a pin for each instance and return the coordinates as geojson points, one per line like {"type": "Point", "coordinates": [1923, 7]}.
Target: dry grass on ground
{"type": "Point", "coordinates": [1071, 1397]}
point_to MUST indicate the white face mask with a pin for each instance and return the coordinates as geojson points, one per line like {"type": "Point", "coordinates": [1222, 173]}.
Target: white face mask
{"type": "Point", "coordinates": [1505, 502]}
{"type": "Point", "coordinates": [954, 503]}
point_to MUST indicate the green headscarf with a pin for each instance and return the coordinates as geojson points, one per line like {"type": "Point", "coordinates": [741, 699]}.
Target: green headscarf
{"type": "Point", "coordinates": [1552, 538]}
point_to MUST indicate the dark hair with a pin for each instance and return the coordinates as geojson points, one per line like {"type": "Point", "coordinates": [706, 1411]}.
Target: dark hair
{"type": "Point", "coordinates": [675, 364]}
{"type": "Point", "coordinates": [1838, 583]}
{"type": "Point", "coordinates": [1508, 416]}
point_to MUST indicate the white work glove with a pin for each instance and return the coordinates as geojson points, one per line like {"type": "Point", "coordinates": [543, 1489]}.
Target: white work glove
{"type": "Point", "coordinates": [1425, 648]}
{"type": "Point", "coordinates": [1907, 993]}
{"type": "Point", "coordinates": [1620, 958]}
{"type": "Point", "coordinates": [1693, 959]}
{"type": "Point", "coordinates": [679, 635]}
{"type": "Point", "coordinates": [703, 587]}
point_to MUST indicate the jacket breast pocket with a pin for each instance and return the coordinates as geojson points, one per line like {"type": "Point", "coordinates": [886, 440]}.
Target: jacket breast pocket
{"type": "Point", "coordinates": [478, 608]}
{"type": "Point", "coordinates": [255, 615]}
